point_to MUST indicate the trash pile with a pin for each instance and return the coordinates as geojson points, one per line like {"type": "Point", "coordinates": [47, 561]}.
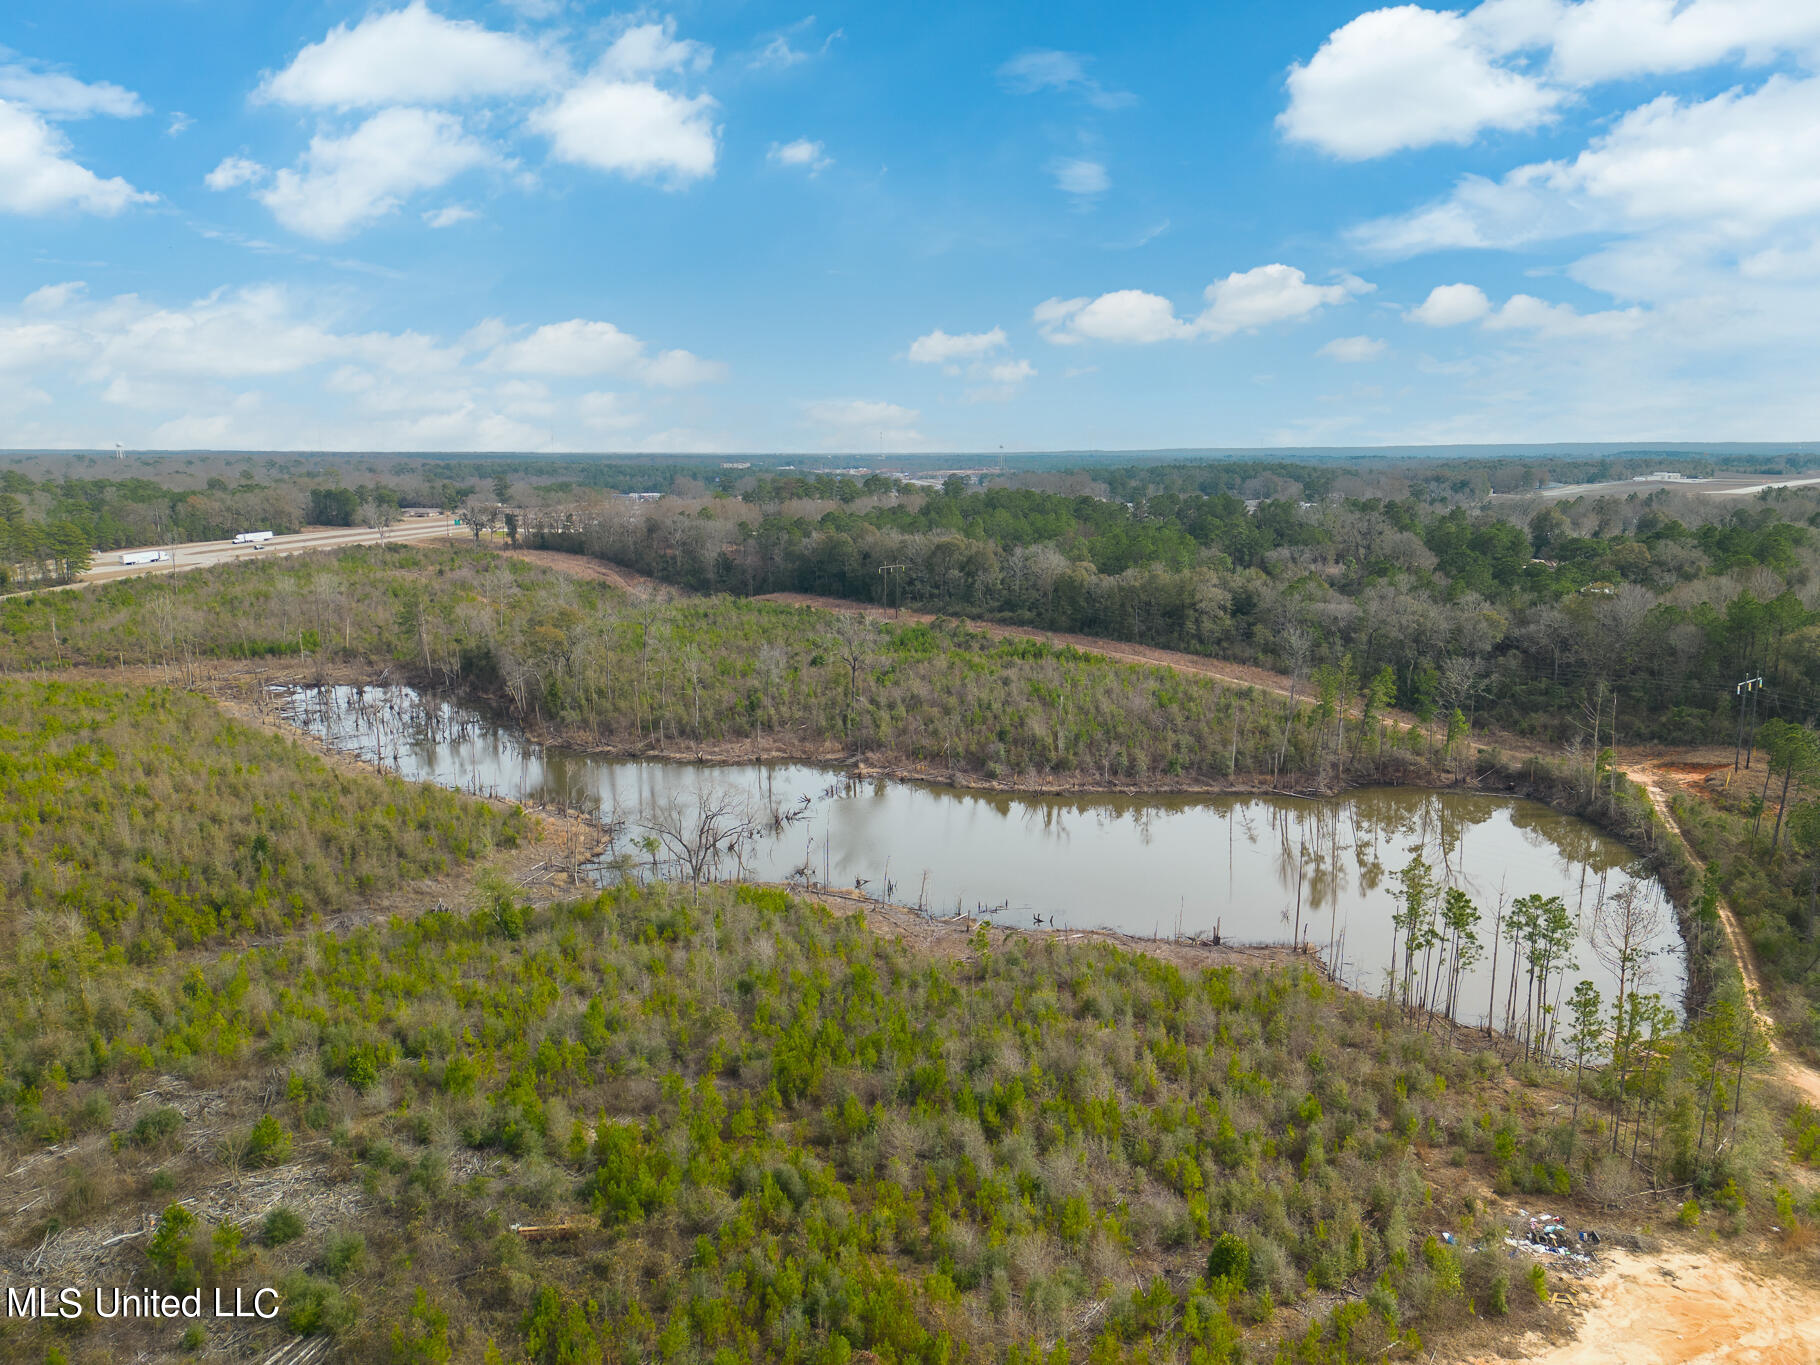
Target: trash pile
{"type": "Point", "coordinates": [1543, 1234]}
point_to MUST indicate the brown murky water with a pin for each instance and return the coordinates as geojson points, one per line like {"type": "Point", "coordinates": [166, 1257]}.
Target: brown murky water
{"type": "Point", "coordinates": [1257, 869]}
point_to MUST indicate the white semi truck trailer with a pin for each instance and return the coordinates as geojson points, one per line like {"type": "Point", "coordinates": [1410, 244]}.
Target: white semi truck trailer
{"type": "Point", "coordinates": [252, 537]}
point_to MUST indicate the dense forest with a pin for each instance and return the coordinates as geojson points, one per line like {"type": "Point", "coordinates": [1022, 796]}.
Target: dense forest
{"type": "Point", "coordinates": [1537, 616]}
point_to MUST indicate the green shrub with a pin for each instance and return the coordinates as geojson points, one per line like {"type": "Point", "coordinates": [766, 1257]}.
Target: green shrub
{"type": "Point", "coordinates": [169, 1250]}
{"type": "Point", "coordinates": [1229, 1261]}
{"type": "Point", "coordinates": [281, 1225]}
{"type": "Point", "coordinates": [156, 1126]}
{"type": "Point", "coordinates": [268, 1144]}
{"type": "Point", "coordinates": [344, 1253]}
{"type": "Point", "coordinates": [313, 1305]}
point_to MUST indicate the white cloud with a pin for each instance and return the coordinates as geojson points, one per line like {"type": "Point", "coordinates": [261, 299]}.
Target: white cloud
{"type": "Point", "coordinates": [36, 175]}
{"type": "Point", "coordinates": [852, 422]}
{"type": "Point", "coordinates": [1083, 179]}
{"type": "Point", "coordinates": [1242, 301]}
{"type": "Point", "coordinates": [61, 97]}
{"type": "Point", "coordinates": [1124, 315]}
{"type": "Point", "coordinates": [411, 56]}
{"type": "Point", "coordinates": [1407, 77]}
{"type": "Point", "coordinates": [575, 347]}
{"type": "Point", "coordinates": [1449, 305]}
{"type": "Point", "coordinates": [645, 50]}
{"type": "Point", "coordinates": [801, 152]}
{"type": "Point", "coordinates": [1048, 69]}
{"type": "Point", "coordinates": [344, 183]}
{"type": "Point", "coordinates": [582, 347]}
{"type": "Point", "coordinates": [620, 120]}
{"type": "Point", "coordinates": [1412, 77]}
{"type": "Point", "coordinates": [449, 215]}
{"type": "Point", "coordinates": [1525, 312]}
{"type": "Point", "coordinates": [226, 335]}
{"type": "Point", "coordinates": [1736, 165]}
{"type": "Point", "coordinates": [939, 348]}
{"type": "Point", "coordinates": [1008, 372]}
{"type": "Point", "coordinates": [1353, 350]}
{"type": "Point", "coordinates": [180, 124]}
{"type": "Point", "coordinates": [262, 368]}
{"type": "Point", "coordinates": [234, 170]}
{"type": "Point", "coordinates": [1267, 294]}
{"type": "Point", "coordinates": [52, 297]}
{"type": "Point", "coordinates": [1602, 40]}
{"type": "Point", "coordinates": [998, 382]}
{"type": "Point", "coordinates": [779, 53]}
{"type": "Point", "coordinates": [681, 370]}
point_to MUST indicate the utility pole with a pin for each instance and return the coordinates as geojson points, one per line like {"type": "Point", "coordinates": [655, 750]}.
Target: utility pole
{"type": "Point", "coordinates": [884, 573]}
{"type": "Point", "coordinates": [1746, 692]}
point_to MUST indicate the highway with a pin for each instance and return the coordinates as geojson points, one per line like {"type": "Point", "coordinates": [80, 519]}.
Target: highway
{"type": "Point", "coordinates": [202, 554]}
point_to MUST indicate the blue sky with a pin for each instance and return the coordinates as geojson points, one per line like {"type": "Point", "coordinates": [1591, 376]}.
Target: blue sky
{"type": "Point", "coordinates": [733, 227]}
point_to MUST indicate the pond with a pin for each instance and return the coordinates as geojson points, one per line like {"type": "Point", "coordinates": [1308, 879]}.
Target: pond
{"type": "Point", "coordinates": [1253, 868]}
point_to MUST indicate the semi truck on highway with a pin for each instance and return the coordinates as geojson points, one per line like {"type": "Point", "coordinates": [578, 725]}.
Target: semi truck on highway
{"type": "Point", "coordinates": [252, 537]}
{"type": "Point", "coordinates": [144, 557]}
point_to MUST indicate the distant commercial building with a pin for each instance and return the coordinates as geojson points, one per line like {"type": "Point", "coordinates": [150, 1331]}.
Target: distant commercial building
{"type": "Point", "coordinates": [1667, 476]}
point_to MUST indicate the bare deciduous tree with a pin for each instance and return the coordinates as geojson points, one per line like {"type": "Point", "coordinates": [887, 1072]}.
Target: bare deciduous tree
{"type": "Point", "coordinates": [698, 829]}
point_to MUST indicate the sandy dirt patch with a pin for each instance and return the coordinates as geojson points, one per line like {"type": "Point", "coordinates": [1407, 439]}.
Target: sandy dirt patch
{"type": "Point", "coordinates": [1682, 1308]}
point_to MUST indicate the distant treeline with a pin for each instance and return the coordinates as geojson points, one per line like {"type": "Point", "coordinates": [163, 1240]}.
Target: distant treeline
{"type": "Point", "coordinates": [1540, 615]}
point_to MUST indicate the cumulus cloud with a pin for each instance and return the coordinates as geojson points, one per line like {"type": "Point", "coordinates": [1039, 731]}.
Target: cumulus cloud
{"type": "Point", "coordinates": [1124, 315]}
{"type": "Point", "coordinates": [801, 152]}
{"type": "Point", "coordinates": [265, 367]}
{"type": "Point", "coordinates": [233, 171]}
{"type": "Point", "coordinates": [59, 96]}
{"type": "Point", "coordinates": [449, 215]}
{"type": "Point", "coordinates": [1453, 305]}
{"type": "Point", "coordinates": [1407, 77]}
{"type": "Point", "coordinates": [1083, 179]}
{"type": "Point", "coordinates": [618, 119]}
{"type": "Point", "coordinates": [939, 348]}
{"type": "Point", "coordinates": [1526, 313]}
{"type": "Point", "coordinates": [38, 176]}
{"type": "Point", "coordinates": [1267, 294]}
{"type": "Point", "coordinates": [1243, 301]}
{"type": "Point", "coordinates": [582, 347]}
{"type": "Point", "coordinates": [1738, 164]}
{"type": "Point", "coordinates": [1353, 350]}
{"type": "Point", "coordinates": [1602, 40]}
{"type": "Point", "coordinates": [343, 183]}
{"type": "Point", "coordinates": [411, 56]}
{"type": "Point", "coordinates": [1049, 69]}
{"type": "Point", "coordinates": [575, 347]}
{"type": "Point", "coordinates": [1449, 305]}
